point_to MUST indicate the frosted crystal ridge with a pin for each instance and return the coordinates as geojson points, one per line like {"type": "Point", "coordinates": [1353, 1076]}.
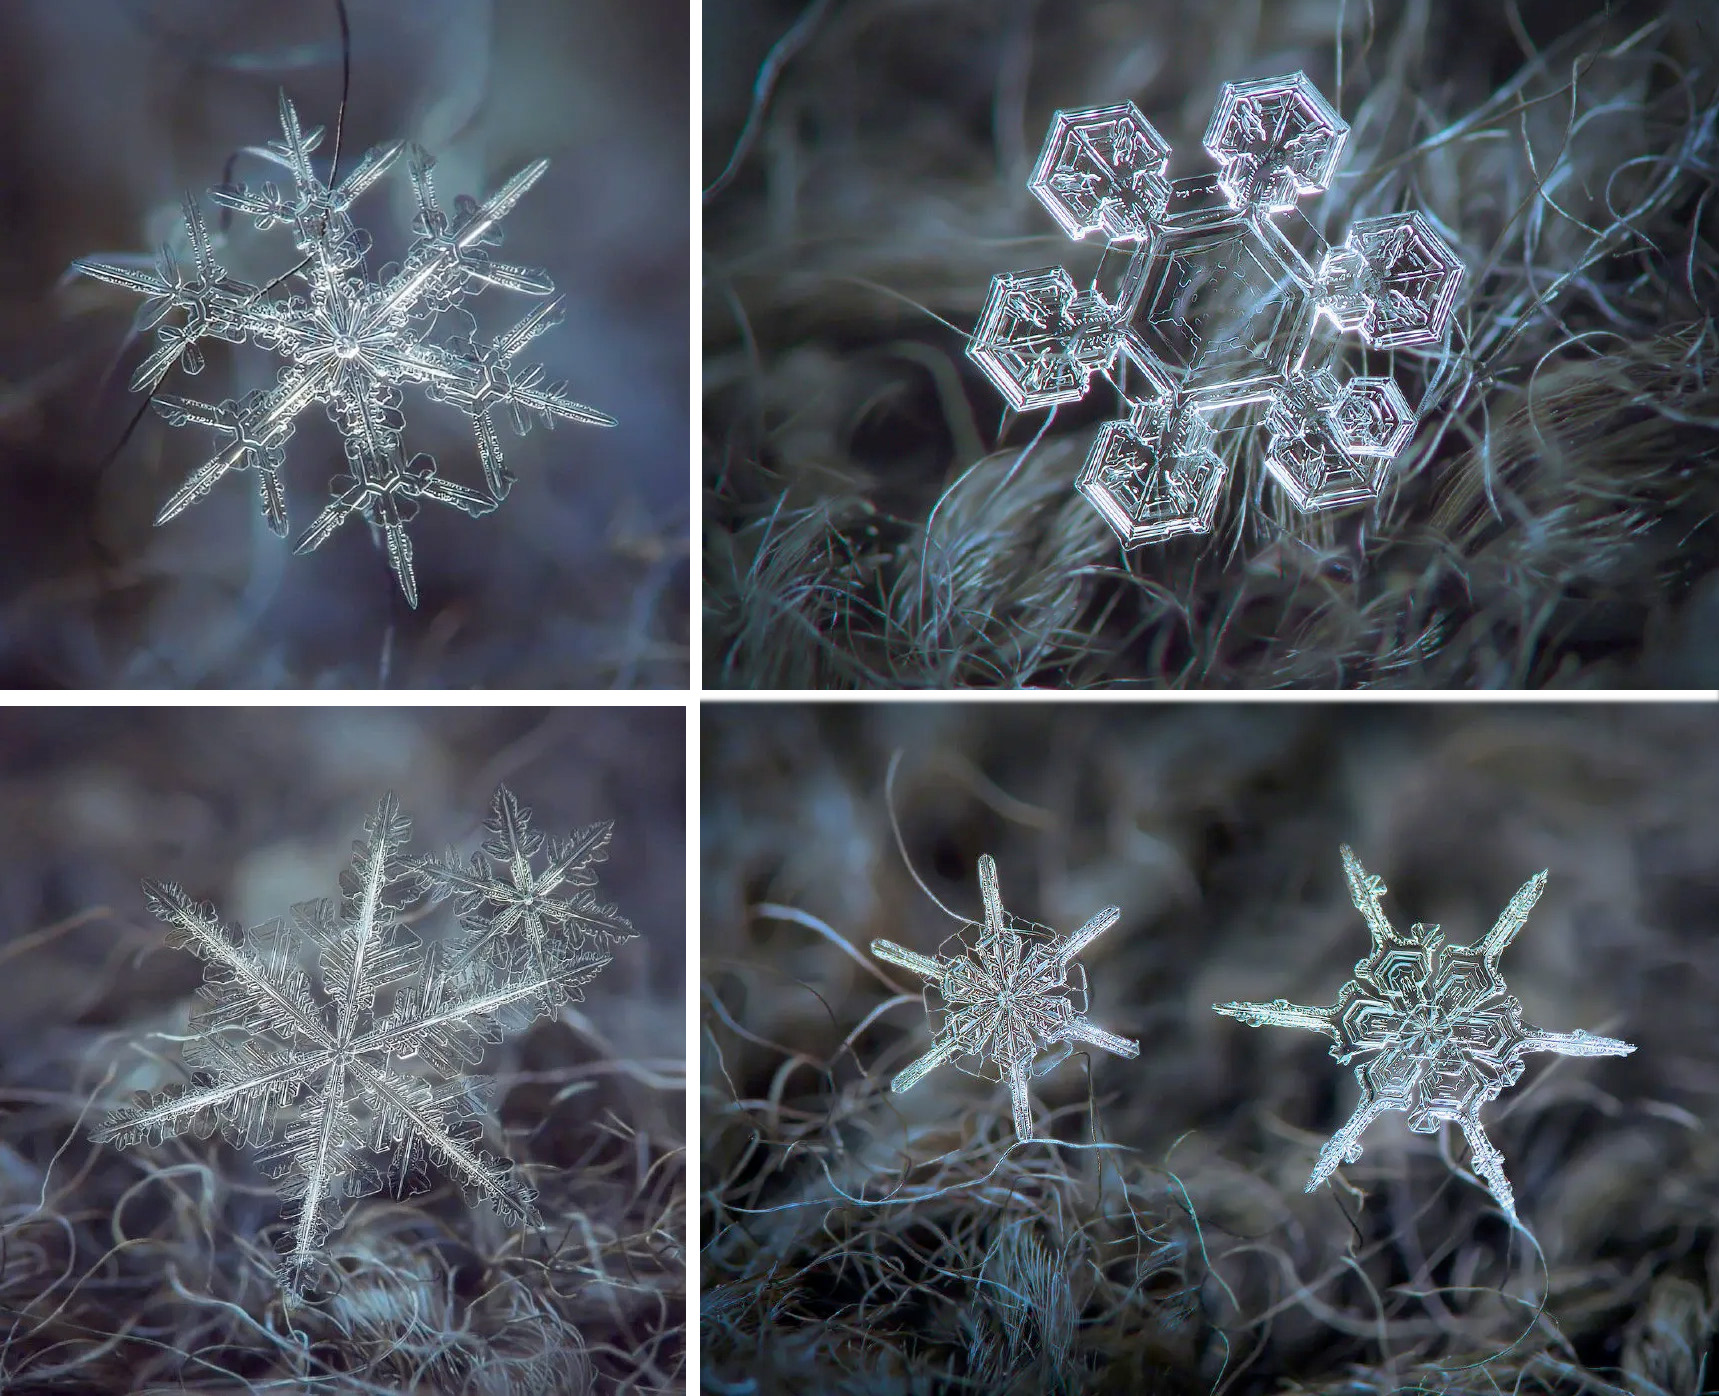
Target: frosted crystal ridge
{"type": "Point", "coordinates": [341, 1094]}
{"type": "Point", "coordinates": [1215, 309]}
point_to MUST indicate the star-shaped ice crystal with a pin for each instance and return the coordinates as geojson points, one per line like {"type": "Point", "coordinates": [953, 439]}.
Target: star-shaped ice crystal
{"type": "Point", "coordinates": [351, 342]}
{"type": "Point", "coordinates": [1215, 308]}
{"type": "Point", "coordinates": [1008, 1000]}
{"type": "Point", "coordinates": [1431, 1027]}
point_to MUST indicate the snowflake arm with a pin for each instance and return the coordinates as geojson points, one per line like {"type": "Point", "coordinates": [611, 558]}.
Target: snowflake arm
{"type": "Point", "coordinates": [1006, 1000]}
{"type": "Point", "coordinates": [322, 1086]}
{"type": "Point", "coordinates": [1430, 1028]}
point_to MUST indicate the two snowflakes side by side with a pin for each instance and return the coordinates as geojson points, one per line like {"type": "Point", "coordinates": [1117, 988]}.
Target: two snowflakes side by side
{"type": "Point", "coordinates": [1216, 309]}
{"type": "Point", "coordinates": [340, 1095]}
{"type": "Point", "coordinates": [1431, 1027]}
{"type": "Point", "coordinates": [352, 342]}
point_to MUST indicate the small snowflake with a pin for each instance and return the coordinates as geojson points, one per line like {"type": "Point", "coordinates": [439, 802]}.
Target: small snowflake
{"type": "Point", "coordinates": [1431, 1027]}
{"type": "Point", "coordinates": [351, 342]}
{"type": "Point", "coordinates": [503, 901]}
{"type": "Point", "coordinates": [1008, 1000]}
{"type": "Point", "coordinates": [1215, 308]}
{"type": "Point", "coordinates": [322, 1083]}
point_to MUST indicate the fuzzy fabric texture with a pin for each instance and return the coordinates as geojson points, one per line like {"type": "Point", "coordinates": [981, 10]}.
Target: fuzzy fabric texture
{"type": "Point", "coordinates": [874, 516]}
{"type": "Point", "coordinates": [1157, 1237]}
{"type": "Point", "coordinates": [152, 1269]}
{"type": "Point", "coordinates": [110, 111]}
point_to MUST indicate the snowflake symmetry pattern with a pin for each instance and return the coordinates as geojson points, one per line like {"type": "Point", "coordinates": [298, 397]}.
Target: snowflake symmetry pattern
{"type": "Point", "coordinates": [1006, 1001]}
{"type": "Point", "coordinates": [351, 342]}
{"type": "Point", "coordinates": [1431, 1028]}
{"type": "Point", "coordinates": [1216, 309]}
{"type": "Point", "coordinates": [323, 1085]}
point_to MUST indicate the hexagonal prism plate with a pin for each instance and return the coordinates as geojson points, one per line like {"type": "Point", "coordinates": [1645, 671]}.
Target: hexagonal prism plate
{"type": "Point", "coordinates": [1306, 455]}
{"type": "Point", "coordinates": [1275, 140]}
{"type": "Point", "coordinates": [1405, 287]}
{"type": "Point", "coordinates": [1227, 302]}
{"type": "Point", "coordinates": [1156, 474]}
{"type": "Point", "coordinates": [1040, 340]}
{"type": "Point", "coordinates": [1371, 417]}
{"type": "Point", "coordinates": [1102, 170]}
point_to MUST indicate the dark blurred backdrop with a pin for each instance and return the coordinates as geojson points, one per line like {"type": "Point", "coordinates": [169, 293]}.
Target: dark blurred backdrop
{"type": "Point", "coordinates": [109, 111]}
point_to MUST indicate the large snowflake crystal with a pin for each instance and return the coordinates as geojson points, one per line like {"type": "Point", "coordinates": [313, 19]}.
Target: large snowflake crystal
{"type": "Point", "coordinates": [324, 1083]}
{"type": "Point", "coordinates": [1006, 1001]}
{"type": "Point", "coordinates": [1431, 1027]}
{"type": "Point", "coordinates": [1215, 309]}
{"type": "Point", "coordinates": [351, 342]}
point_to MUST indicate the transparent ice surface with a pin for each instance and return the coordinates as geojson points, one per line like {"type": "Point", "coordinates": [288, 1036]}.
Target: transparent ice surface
{"type": "Point", "coordinates": [1430, 1027]}
{"type": "Point", "coordinates": [1005, 1000]}
{"type": "Point", "coordinates": [351, 341]}
{"type": "Point", "coordinates": [324, 1083]}
{"type": "Point", "coordinates": [1216, 308]}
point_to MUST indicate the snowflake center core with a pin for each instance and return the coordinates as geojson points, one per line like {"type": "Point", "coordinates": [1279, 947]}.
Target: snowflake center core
{"type": "Point", "coordinates": [1427, 1031]}
{"type": "Point", "coordinates": [1220, 300]}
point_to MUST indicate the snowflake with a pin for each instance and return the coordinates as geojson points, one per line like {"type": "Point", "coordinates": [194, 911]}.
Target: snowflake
{"type": "Point", "coordinates": [499, 895]}
{"type": "Point", "coordinates": [1432, 1028]}
{"type": "Point", "coordinates": [1008, 1000]}
{"type": "Point", "coordinates": [1215, 309]}
{"type": "Point", "coordinates": [320, 1084]}
{"type": "Point", "coordinates": [351, 342]}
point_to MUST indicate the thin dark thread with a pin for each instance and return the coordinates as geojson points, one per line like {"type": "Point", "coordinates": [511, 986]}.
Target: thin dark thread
{"type": "Point", "coordinates": [345, 90]}
{"type": "Point", "coordinates": [778, 58]}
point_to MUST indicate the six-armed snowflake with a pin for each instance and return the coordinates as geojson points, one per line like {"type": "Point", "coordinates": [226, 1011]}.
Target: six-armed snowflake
{"type": "Point", "coordinates": [1431, 1028]}
{"type": "Point", "coordinates": [351, 342]}
{"type": "Point", "coordinates": [1006, 1001]}
{"type": "Point", "coordinates": [1215, 308]}
{"type": "Point", "coordinates": [326, 1083]}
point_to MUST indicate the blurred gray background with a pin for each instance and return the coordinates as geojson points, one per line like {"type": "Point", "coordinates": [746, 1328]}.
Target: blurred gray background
{"type": "Point", "coordinates": [109, 111]}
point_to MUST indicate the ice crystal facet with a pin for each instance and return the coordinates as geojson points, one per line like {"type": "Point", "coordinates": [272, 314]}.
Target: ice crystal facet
{"type": "Point", "coordinates": [324, 1083]}
{"type": "Point", "coordinates": [1431, 1028]}
{"type": "Point", "coordinates": [351, 342]}
{"type": "Point", "coordinates": [1007, 1000]}
{"type": "Point", "coordinates": [1215, 309]}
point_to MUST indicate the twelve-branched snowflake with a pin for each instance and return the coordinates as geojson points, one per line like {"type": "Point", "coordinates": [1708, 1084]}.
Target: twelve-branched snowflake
{"type": "Point", "coordinates": [1008, 1000]}
{"type": "Point", "coordinates": [1215, 308]}
{"type": "Point", "coordinates": [351, 342]}
{"type": "Point", "coordinates": [322, 1084]}
{"type": "Point", "coordinates": [1431, 1027]}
